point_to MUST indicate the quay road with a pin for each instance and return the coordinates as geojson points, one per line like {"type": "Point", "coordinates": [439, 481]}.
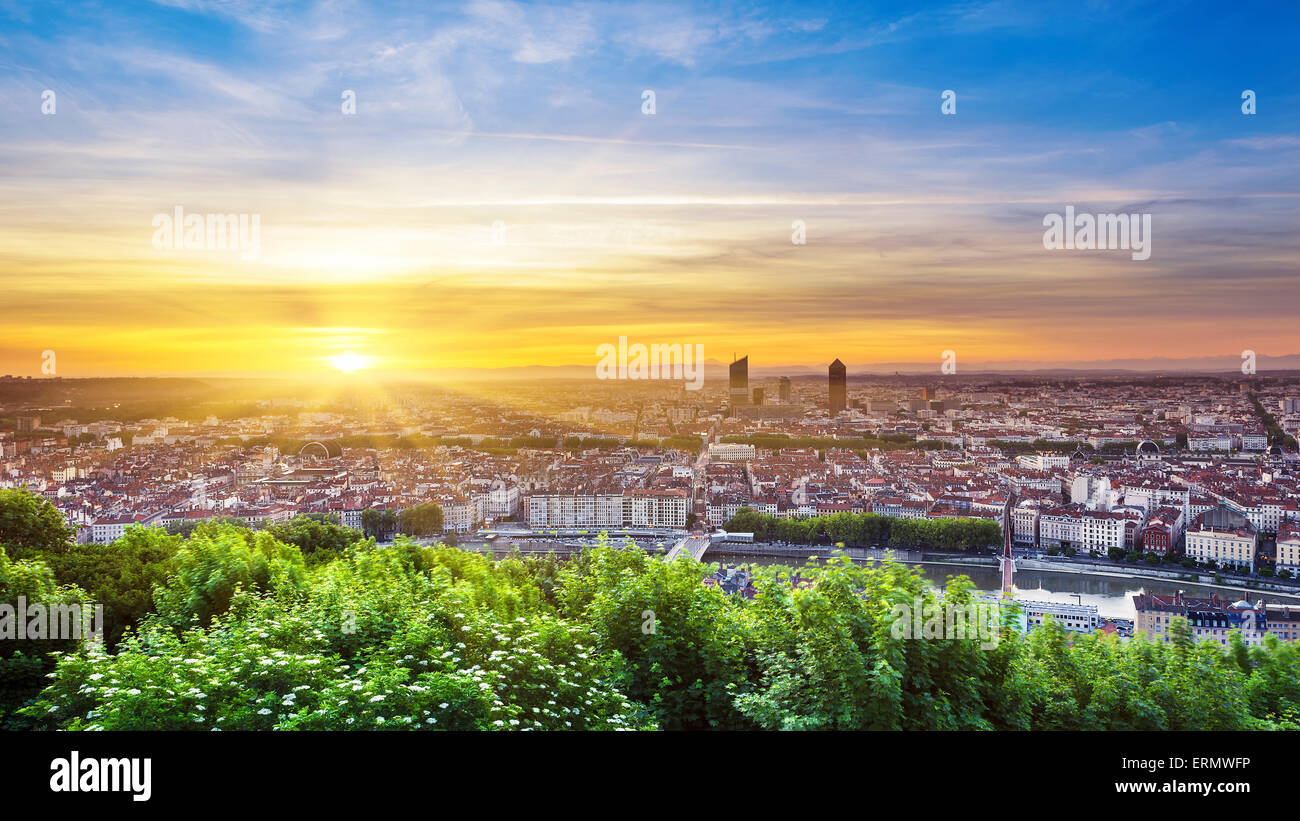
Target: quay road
{"type": "Point", "coordinates": [573, 540]}
{"type": "Point", "coordinates": [539, 546]}
{"type": "Point", "coordinates": [588, 532]}
{"type": "Point", "coordinates": [661, 534]}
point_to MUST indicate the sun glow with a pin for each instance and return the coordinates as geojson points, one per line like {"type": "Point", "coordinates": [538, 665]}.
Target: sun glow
{"type": "Point", "coordinates": [349, 362]}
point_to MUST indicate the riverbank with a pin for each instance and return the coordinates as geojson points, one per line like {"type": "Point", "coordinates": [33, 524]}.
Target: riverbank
{"type": "Point", "coordinates": [1180, 575]}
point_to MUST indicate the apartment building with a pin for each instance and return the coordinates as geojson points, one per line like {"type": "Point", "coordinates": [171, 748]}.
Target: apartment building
{"type": "Point", "coordinates": [1215, 619]}
{"type": "Point", "coordinates": [1025, 523]}
{"type": "Point", "coordinates": [1224, 536]}
{"type": "Point", "coordinates": [460, 514]}
{"type": "Point", "coordinates": [1162, 531]}
{"type": "Point", "coordinates": [656, 508]}
{"type": "Point", "coordinates": [1061, 526]}
{"type": "Point", "coordinates": [1044, 460]}
{"type": "Point", "coordinates": [732, 452]}
{"type": "Point", "coordinates": [1075, 618]}
{"type": "Point", "coordinates": [1288, 547]}
{"type": "Point", "coordinates": [642, 507]}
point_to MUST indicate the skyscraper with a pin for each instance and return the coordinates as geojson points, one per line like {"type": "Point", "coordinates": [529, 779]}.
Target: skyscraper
{"type": "Point", "coordinates": [839, 387]}
{"type": "Point", "coordinates": [740, 382]}
{"type": "Point", "coordinates": [783, 389]}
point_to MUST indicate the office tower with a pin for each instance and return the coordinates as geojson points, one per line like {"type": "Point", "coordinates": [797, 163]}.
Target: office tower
{"type": "Point", "coordinates": [27, 424]}
{"type": "Point", "coordinates": [758, 396]}
{"type": "Point", "coordinates": [839, 387]}
{"type": "Point", "coordinates": [925, 393]}
{"type": "Point", "coordinates": [783, 389]}
{"type": "Point", "coordinates": [740, 382]}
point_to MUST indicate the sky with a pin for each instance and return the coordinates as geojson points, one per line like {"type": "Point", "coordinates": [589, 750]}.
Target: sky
{"type": "Point", "coordinates": [501, 196]}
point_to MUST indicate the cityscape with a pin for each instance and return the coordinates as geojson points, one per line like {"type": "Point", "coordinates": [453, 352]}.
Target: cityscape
{"type": "Point", "coordinates": [394, 389]}
{"type": "Point", "coordinates": [1187, 478]}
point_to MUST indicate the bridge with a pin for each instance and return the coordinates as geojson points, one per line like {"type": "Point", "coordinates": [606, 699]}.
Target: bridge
{"type": "Point", "coordinates": [694, 546]}
{"type": "Point", "coordinates": [1007, 560]}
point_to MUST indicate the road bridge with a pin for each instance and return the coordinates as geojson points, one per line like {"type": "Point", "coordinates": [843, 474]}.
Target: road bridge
{"type": "Point", "coordinates": [693, 546]}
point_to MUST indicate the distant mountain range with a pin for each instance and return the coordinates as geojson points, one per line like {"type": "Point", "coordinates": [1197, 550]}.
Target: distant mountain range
{"type": "Point", "coordinates": [1228, 364]}
{"type": "Point", "coordinates": [714, 371]}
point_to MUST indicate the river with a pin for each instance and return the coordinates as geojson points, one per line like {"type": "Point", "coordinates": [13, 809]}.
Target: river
{"type": "Point", "coordinates": [1112, 595]}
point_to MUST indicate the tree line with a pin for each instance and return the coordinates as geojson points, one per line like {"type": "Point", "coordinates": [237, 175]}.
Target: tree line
{"type": "Point", "coordinates": [869, 530]}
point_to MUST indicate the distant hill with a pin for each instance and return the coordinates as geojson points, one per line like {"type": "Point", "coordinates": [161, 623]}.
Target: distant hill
{"type": "Point", "coordinates": [714, 370]}
{"type": "Point", "coordinates": [1227, 364]}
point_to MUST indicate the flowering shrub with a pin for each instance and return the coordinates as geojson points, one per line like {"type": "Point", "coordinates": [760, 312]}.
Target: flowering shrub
{"type": "Point", "coordinates": [426, 646]}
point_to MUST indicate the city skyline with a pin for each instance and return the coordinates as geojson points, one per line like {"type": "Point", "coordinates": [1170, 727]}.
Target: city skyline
{"type": "Point", "coordinates": [503, 197]}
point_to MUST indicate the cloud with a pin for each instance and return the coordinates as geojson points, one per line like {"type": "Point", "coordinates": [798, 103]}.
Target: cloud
{"type": "Point", "coordinates": [926, 227]}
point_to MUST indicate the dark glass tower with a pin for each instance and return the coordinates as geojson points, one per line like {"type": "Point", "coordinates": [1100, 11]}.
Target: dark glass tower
{"type": "Point", "coordinates": [839, 387]}
{"type": "Point", "coordinates": [740, 382]}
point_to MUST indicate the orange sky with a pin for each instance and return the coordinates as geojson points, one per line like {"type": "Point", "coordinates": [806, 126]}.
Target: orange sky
{"type": "Point", "coordinates": [501, 199]}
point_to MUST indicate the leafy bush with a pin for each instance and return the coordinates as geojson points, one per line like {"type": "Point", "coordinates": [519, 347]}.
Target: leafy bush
{"type": "Point", "coordinates": [25, 661]}
{"type": "Point", "coordinates": [399, 637]}
{"type": "Point", "coordinates": [30, 526]}
{"type": "Point", "coordinates": [216, 563]}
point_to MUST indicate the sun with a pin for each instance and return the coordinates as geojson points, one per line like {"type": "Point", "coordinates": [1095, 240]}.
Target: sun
{"type": "Point", "coordinates": [349, 362]}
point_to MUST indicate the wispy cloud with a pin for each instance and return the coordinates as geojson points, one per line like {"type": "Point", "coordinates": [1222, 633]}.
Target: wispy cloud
{"type": "Point", "coordinates": [527, 117]}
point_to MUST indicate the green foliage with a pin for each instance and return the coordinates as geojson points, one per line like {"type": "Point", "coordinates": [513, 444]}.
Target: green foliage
{"type": "Point", "coordinates": [683, 641]}
{"type": "Point", "coordinates": [422, 520]}
{"type": "Point", "coordinates": [245, 635]}
{"type": "Point", "coordinates": [1039, 444]}
{"type": "Point", "coordinates": [216, 563]}
{"type": "Point", "coordinates": [392, 637]}
{"type": "Point", "coordinates": [1276, 436]}
{"type": "Point", "coordinates": [1100, 683]}
{"type": "Point", "coordinates": [320, 539]}
{"type": "Point", "coordinates": [377, 523]}
{"type": "Point", "coordinates": [25, 662]}
{"type": "Point", "coordinates": [868, 530]}
{"type": "Point", "coordinates": [31, 579]}
{"type": "Point", "coordinates": [784, 441]}
{"type": "Point", "coordinates": [31, 526]}
{"type": "Point", "coordinates": [186, 527]}
{"type": "Point", "coordinates": [120, 575]}
{"type": "Point", "coordinates": [834, 663]}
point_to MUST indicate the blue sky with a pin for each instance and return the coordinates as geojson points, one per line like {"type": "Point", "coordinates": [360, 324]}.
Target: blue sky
{"type": "Point", "coordinates": [926, 226]}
